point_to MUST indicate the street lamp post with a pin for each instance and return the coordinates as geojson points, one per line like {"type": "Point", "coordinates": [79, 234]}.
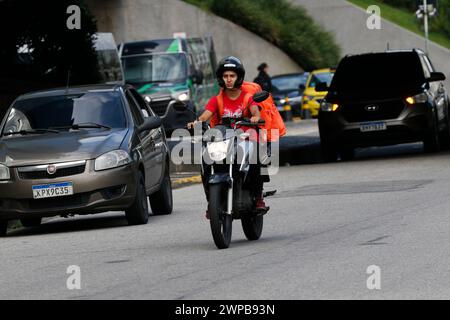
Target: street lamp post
{"type": "Point", "coordinates": [425, 22]}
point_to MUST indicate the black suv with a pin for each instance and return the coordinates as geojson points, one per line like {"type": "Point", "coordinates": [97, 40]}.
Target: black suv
{"type": "Point", "coordinates": [386, 98]}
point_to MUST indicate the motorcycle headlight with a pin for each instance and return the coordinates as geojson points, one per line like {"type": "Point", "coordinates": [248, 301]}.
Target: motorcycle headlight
{"type": "Point", "coordinates": [181, 96]}
{"type": "Point", "coordinates": [282, 101]}
{"type": "Point", "coordinates": [113, 159]}
{"type": "Point", "coordinates": [419, 98]}
{"type": "Point", "coordinates": [4, 172]}
{"type": "Point", "coordinates": [329, 107]}
{"type": "Point", "coordinates": [218, 150]}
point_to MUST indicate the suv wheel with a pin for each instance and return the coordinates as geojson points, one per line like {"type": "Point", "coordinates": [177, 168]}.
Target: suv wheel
{"type": "Point", "coordinates": [138, 212]}
{"type": "Point", "coordinates": [3, 227]}
{"type": "Point", "coordinates": [31, 222]}
{"type": "Point", "coordinates": [161, 201]}
{"type": "Point", "coordinates": [347, 154]}
{"type": "Point", "coordinates": [444, 136]}
{"type": "Point", "coordinates": [329, 152]}
{"type": "Point", "coordinates": [431, 141]}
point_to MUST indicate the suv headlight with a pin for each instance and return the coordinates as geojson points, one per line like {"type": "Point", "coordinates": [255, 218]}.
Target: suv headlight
{"type": "Point", "coordinates": [328, 107]}
{"type": "Point", "coordinates": [218, 150]}
{"type": "Point", "coordinates": [181, 96]}
{"type": "Point", "coordinates": [418, 98]}
{"type": "Point", "coordinates": [4, 172]}
{"type": "Point", "coordinates": [113, 159]}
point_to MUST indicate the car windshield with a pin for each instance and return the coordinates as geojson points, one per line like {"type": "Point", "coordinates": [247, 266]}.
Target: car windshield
{"type": "Point", "coordinates": [321, 77]}
{"type": "Point", "coordinates": [100, 108]}
{"type": "Point", "coordinates": [155, 68]}
{"type": "Point", "coordinates": [379, 74]}
{"type": "Point", "coordinates": [288, 83]}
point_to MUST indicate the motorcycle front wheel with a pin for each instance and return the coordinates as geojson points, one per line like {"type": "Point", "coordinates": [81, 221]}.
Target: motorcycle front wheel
{"type": "Point", "coordinates": [220, 221]}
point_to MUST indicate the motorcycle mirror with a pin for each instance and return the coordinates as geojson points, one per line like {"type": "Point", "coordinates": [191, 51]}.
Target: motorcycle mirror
{"type": "Point", "coordinates": [261, 96]}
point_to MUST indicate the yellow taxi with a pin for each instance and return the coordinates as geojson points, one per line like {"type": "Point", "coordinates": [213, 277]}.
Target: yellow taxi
{"type": "Point", "coordinates": [312, 99]}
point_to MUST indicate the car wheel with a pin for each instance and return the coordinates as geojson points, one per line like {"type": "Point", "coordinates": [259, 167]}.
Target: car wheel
{"type": "Point", "coordinates": [161, 201]}
{"type": "Point", "coordinates": [306, 114]}
{"type": "Point", "coordinates": [31, 222]}
{"type": "Point", "coordinates": [431, 141]}
{"type": "Point", "coordinates": [347, 154]}
{"type": "Point", "coordinates": [3, 227]}
{"type": "Point", "coordinates": [138, 212]}
{"type": "Point", "coordinates": [329, 152]}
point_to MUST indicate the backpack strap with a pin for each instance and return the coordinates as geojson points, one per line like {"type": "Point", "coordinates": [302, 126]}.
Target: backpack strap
{"type": "Point", "coordinates": [247, 98]}
{"type": "Point", "coordinates": [219, 106]}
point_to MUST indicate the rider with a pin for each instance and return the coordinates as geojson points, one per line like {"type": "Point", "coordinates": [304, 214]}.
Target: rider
{"type": "Point", "coordinates": [230, 76]}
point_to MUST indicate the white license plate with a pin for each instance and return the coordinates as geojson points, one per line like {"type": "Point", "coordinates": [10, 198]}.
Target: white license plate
{"type": "Point", "coordinates": [53, 190]}
{"type": "Point", "coordinates": [373, 126]}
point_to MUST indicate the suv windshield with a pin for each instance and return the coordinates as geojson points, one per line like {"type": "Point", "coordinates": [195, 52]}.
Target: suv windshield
{"type": "Point", "coordinates": [155, 68]}
{"type": "Point", "coordinates": [288, 83]}
{"type": "Point", "coordinates": [102, 108]}
{"type": "Point", "coordinates": [380, 74]}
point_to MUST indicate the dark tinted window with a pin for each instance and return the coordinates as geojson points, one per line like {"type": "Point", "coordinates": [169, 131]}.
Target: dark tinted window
{"type": "Point", "coordinates": [103, 108]}
{"type": "Point", "coordinates": [378, 74]}
{"type": "Point", "coordinates": [288, 82]}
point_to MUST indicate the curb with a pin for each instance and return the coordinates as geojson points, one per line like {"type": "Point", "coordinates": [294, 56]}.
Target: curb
{"type": "Point", "coordinates": [186, 181]}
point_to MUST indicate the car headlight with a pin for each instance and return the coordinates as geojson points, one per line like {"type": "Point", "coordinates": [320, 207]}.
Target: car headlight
{"type": "Point", "coordinates": [113, 159]}
{"type": "Point", "coordinates": [4, 172]}
{"type": "Point", "coordinates": [328, 107]}
{"type": "Point", "coordinates": [419, 98]}
{"type": "Point", "coordinates": [218, 150]}
{"type": "Point", "coordinates": [181, 96]}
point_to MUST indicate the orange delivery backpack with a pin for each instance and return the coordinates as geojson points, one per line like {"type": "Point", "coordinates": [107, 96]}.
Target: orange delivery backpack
{"type": "Point", "coordinates": [269, 112]}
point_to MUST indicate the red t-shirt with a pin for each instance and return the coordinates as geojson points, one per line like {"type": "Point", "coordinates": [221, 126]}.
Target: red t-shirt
{"type": "Point", "coordinates": [231, 108]}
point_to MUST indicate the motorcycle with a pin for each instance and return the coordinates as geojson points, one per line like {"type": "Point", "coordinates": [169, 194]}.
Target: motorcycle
{"type": "Point", "coordinates": [230, 186]}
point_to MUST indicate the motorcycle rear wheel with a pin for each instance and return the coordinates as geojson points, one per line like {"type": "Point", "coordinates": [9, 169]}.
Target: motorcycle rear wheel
{"type": "Point", "coordinates": [221, 223]}
{"type": "Point", "coordinates": [252, 226]}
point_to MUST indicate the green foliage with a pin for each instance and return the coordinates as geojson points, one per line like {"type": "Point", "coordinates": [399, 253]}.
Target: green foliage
{"type": "Point", "coordinates": [440, 23]}
{"type": "Point", "coordinates": [285, 25]}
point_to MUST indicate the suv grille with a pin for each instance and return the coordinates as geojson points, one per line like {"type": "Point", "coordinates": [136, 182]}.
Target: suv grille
{"type": "Point", "coordinates": [356, 112]}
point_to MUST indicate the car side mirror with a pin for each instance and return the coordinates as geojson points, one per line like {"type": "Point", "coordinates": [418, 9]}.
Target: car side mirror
{"type": "Point", "coordinates": [261, 96]}
{"type": "Point", "coordinates": [436, 76]}
{"type": "Point", "coordinates": [322, 87]}
{"type": "Point", "coordinates": [197, 77]}
{"type": "Point", "coordinates": [150, 123]}
{"type": "Point", "coordinates": [301, 88]}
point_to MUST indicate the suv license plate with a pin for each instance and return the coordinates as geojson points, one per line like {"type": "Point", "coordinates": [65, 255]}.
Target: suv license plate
{"type": "Point", "coordinates": [373, 126]}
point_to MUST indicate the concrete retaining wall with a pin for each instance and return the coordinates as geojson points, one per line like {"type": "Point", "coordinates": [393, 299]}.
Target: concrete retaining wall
{"type": "Point", "coordinates": [131, 20]}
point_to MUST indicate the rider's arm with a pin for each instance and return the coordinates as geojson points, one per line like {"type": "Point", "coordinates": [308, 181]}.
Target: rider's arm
{"type": "Point", "coordinates": [256, 116]}
{"type": "Point", "coordinates": [205, 116]}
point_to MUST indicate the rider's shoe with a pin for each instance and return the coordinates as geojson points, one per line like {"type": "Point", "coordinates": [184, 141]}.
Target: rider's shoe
{"type": "Point", "coordinates": [260, 204]}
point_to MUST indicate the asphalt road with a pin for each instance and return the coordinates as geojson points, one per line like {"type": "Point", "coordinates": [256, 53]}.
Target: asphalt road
{"type": "Point", "coordinates": [327, 224]}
